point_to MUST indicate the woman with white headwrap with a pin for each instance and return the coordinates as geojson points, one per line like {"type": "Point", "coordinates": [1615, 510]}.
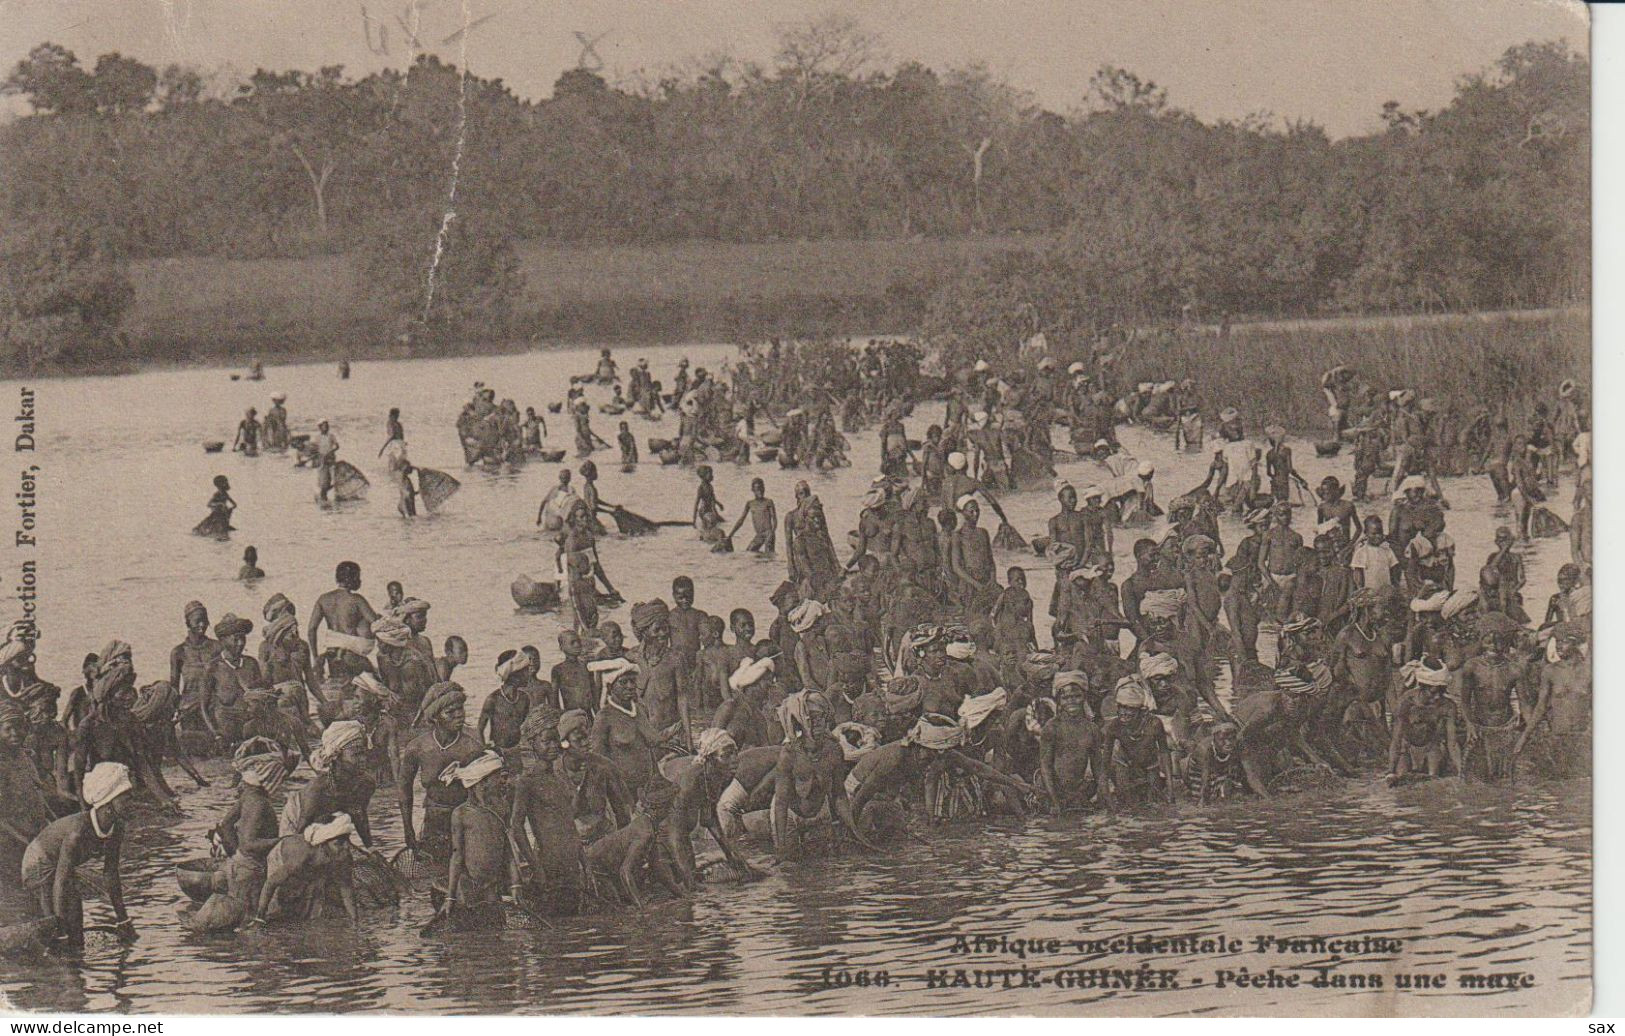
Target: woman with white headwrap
{"type": "Point", "coordinates": [928, 752]}
{"type": "Point", "coordinates": [247, 833]}
{"type": "Point", "coordinates": [306, 870]}
{"type": "Point", "coordinates": [446, 741]}
{"type": "Point", "coordinates": [484, 863]}
{"type": "Point", "coordinates": [1069, 745]}
{"type": "Point", "coordinates": [1425, 723]}
{"type": "Point", "coordinates": [621, 732]}
{"type": "Point", "coordinates": [809, 783]}
{"type": "Point", "coordinates": [50, 864]}
{"type": "Point", "coordinates": [1136, 762]}
{"type": "Point", "coordinates": [701, 784]}
{"type": "Point", "coordinates": [341, 783]}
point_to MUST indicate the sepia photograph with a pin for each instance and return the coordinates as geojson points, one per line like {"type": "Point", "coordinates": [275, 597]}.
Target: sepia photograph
{"type": "Point", "coordinates": [799, 508]}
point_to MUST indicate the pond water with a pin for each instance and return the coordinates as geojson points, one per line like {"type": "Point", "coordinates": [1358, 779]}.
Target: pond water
{"type": "Point", "coordinates": [1496, 879]}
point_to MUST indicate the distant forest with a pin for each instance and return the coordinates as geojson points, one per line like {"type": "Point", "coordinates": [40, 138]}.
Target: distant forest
{"type": "Point", "coordinates": [1135, 205]}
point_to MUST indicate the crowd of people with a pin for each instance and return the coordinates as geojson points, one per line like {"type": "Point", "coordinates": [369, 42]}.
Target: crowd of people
{"type": "Point", "coordinates": [901, 677]}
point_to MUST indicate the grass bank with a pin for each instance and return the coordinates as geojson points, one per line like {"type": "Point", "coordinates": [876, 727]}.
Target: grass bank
{"type": "Point", "coordinates": [1271, 371]}
{"type": "Point", "coordinates": [201, 310]}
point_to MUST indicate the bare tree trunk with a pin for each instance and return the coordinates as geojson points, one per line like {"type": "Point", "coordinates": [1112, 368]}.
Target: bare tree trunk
{"type": "Point", "coordinates": [318, 185]}
{"type": "Point", "coordinates": [976, 181]}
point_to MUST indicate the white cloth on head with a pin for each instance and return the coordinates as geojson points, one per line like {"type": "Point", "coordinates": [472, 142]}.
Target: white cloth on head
{"type": "Point", "coordinates": [957, 461]}
{"type": "Point", "coordinates": [804, 615]}
{"type": "Point", "coordinates": [749, 672]}
{"type": "Point", "coordinates": [1459, 602]}
{"type": "Point", "coordinates": [105, 782]}
{"type": "Point", "coordinates": [612, 669]}
{"type": "Point", "coordinates": [1162, 604]}
{"type": "Point", "coordinates": [963, 650]}
{"type": "Point", "coordinates": [335, 737]}
{"type": "Point", "coordinates": [856, 740]}
{"type": "Point", "coordinates": [966, 498]}
{"type": "Point", "coordinates": [1070, 678]}
{"type": "Point", "coordinates": [713, 741]}
{"type": "Point", "coordinates": [1160, 664]}
{"type": "Point", "coordinates": [973, 710]}
{"type": "Point", "coordinates": [341, 826]}
{"type": "Point", "coordinates": [370, 684]}
{"type": "Point", "coordinates": [1131, 693]}
{"type": "Point", "coordinates": [936, 733]}
{"type": "Point", "coordinates": [339, 734]}
{"type": "Point", "coordinates": [519, 663]}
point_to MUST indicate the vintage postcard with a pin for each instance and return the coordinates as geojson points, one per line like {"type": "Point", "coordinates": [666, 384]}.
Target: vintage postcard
{"type": "Point", "coordinates": [1069, 507]}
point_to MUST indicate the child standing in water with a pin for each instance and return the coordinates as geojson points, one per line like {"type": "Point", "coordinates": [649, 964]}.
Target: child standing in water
{"type": "Point", "coordinates": [1012, 615]}
{"type": "Point", "coordinates": [764, 519]}
{"type": "Point", "coordinates": [218, 523]}
{"type": "Point", "coordinates": [629, 447]}
{"type": "Point", "coordinates": [707, 508]}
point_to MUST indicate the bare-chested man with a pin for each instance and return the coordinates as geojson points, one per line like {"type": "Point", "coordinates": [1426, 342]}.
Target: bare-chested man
{"type": "Point", "coordinates": [971, 558]}
{"type": "Point", "coordinates": [811, 774]}
{"type": "Point", "coordinates": [1564, 704]}
{"type": "Point", "coordinates": [1425, 724]}
{"type": "Point", "coordinates": [348, 618]}
{"type": "Point", "coordinates": [1135, 763]}
{"type": "Point", "coordinates": [1487, 683]}
{"type": "Point", "coordinates": [1068, 746]}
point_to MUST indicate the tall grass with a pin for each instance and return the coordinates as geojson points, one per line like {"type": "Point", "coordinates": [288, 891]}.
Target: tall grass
{"type": "Point", "coordinates": [1504, 362]}
{"type": "Point", "coordinates": [200, 309]}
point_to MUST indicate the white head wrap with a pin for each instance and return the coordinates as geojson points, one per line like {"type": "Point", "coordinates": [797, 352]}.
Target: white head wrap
{"type": "Point", "coordinates": [750, 671]}
{"type": "Point", "coordinates": [1459, 602]}
{"type": "Point", "coordinates": [367, 683]}
{"type": "Point", "coordinates": [804, 615]}
{"type": "Point", "coordinates": [1131, 693]}
{"type": "Point", "coordinates": [972, 711]}
{"type": "Point", "coordinates": [612, 669]}
{"type": "Point", "coordinates": [935, 732]}
{"type": "Point", "coordinates": [1162, 604]}
{"type": "Point", "coordinates": [341, 826]}
{"type": "Point", "coordinates": [1160, 664]}
{"type": "Point", "coordinates": [335, 737]}
{"type": "Point", "coordinates": [106, 782]}
{"type": "Point", "coordinates": [519, 663]}
{"type": "Point", "coordinates": [957, 461]}
{"type": "Point", "coordinates": [856, 740]}
{"type": "Point", "coordinates": [959, 505]}
{"type": "Point", "coordinates": [12, 651]}
{"type": "Point", "coordinates": [713, 741]}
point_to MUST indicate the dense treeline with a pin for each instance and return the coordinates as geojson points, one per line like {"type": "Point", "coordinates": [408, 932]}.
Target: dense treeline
{"type": "Point", "coordinates": [1148, 211]}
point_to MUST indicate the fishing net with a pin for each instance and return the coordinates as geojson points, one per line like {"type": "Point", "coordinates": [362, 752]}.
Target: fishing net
{"type": "Point", "coordinates": [348, 482]}
{"type": "Point", "coordinates": [1007, 538]}
{"type": "Point", "coordinates": [436, 487]}
{"type": "Point", "coordinates": [631, 524]}
{"type": "Point", "coordinates": [1543, 523]}
{"type": "Point", "coordinates": [532, 595]}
